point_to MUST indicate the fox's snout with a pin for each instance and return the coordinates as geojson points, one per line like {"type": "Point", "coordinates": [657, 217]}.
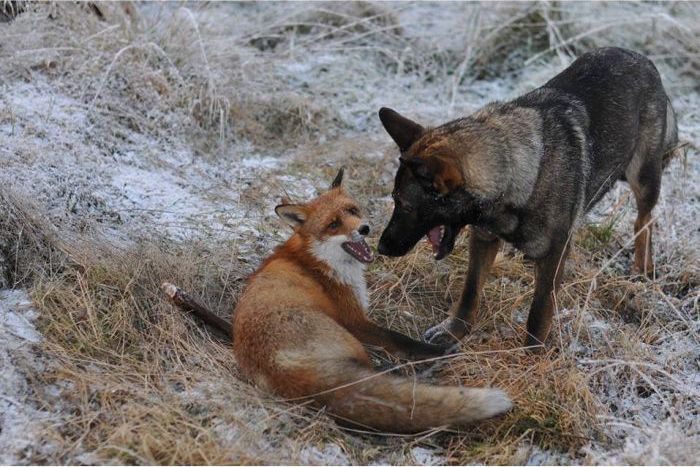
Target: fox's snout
{"type": "Point", "coordinates": [359, 233]}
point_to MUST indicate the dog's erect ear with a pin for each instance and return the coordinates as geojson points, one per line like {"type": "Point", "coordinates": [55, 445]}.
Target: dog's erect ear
{"type": "Point", "coordinates": [292, 214]}
{"type": "Point", "coordinates": [402, 130]}
{"type": "Point", "coordinates": [338, 180]}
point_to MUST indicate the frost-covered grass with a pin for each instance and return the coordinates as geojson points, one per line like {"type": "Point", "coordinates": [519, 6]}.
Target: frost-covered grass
{"type": "Point", "coordinates": [19, 418]}
{"type": "Point", "coordinates": [151, 142]}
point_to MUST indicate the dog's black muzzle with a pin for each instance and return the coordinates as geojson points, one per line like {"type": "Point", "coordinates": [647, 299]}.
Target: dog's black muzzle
{"type": "Point", "coordinates": [397, 240]}
{"type": "Point", "coordinates": [386, 248]}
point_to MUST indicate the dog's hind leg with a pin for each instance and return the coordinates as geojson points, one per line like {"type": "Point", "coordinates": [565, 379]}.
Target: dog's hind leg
{"type": "Point", "coordinates": [643, 173]}
{"type": "Point", "coordinates": [645, 182]}
{"type": "Point", "coordinates": [482, 252]}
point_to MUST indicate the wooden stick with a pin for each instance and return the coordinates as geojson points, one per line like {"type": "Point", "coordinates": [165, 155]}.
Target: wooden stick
{"type": "Point", "coordinates": [186, 302]}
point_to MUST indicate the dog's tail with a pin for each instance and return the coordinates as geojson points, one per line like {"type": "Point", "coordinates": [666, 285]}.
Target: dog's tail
{"type": "Point", "coordinates": [671, 146]}
{"type": "Point", "coordinates": [185, 302]}
{"type": "Point", "coordinates": [399, 405]}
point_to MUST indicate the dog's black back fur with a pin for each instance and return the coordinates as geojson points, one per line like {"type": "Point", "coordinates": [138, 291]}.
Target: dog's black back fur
{"type": "Point", "coordinates": [626, 105]}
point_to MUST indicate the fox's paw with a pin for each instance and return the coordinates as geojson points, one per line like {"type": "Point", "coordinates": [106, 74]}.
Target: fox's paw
{"type": "Point", "coordinates": [429, 350]}
{"type": "Point", "coordinates": [447, 332]}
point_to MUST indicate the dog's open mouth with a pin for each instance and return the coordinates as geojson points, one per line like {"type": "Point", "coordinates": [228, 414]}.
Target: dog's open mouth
{"type": "Point", "coordinates": [442, 239]}
{"type": "Point", "coordinates": [359, 250]}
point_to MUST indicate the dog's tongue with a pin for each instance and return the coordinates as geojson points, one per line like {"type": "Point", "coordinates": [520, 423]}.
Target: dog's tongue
{"type": "Point", "coordinates": [434, 237]}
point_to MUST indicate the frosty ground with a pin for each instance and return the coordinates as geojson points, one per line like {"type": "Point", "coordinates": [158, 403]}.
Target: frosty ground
{"type": "Point", "coordinates": [152, 143]}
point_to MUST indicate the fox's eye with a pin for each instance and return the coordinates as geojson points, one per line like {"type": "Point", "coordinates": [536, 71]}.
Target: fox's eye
{"type": "Point", "coordinates": [335, 224]}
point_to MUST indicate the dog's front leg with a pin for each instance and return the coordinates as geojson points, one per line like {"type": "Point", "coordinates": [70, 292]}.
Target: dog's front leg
{"type": "Point", "coordinates": [483, 247]}
{"type": "Point", "coordinates": [548, 274]}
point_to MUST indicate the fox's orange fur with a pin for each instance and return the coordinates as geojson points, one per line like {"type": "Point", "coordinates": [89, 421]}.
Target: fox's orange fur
{"type": "Point", "coordinates": [300, 326]}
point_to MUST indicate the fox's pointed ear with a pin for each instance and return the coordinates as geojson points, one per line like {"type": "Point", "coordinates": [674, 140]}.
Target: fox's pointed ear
{"type": "Point", "coordinates": [338, 180]}
{"type": "Point", "coordinates": [293, 214]}
{"type": "Point", "coordinates": [402, 130]}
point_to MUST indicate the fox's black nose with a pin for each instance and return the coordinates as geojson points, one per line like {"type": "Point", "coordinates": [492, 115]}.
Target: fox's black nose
{"type": "Point", "coordinates": [363, 230]}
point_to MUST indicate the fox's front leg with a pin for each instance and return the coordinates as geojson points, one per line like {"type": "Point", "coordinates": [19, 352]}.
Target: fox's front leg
{"type": "Point", "coordinates": [396, 343]}
{"type": "Point", "coordinates": [483, 248]}
{"type": "Point", "coordinates": [548, 274]}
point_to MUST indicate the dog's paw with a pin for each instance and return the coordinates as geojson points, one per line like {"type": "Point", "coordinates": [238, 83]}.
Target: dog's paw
{"type": "Point", "coordinates": [643, 271]}
{"type": "Point", "coordinates": [446, 333]}
{"type": "Point", "coordinates": [533, 344]}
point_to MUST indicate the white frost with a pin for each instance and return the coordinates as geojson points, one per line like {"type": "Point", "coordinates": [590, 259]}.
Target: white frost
{"type": "Point", "coordinates": [20, 420]}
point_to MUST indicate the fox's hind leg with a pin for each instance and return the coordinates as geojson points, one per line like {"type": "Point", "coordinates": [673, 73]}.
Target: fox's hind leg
{"type": "Point", "coordinates": [644, 177]}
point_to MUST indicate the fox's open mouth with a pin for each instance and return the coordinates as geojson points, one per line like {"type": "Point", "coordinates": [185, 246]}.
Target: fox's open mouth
{"type": "Point", "coordinates": [442, 239]}
{"type": "Point", "coordinates": [359, 250]}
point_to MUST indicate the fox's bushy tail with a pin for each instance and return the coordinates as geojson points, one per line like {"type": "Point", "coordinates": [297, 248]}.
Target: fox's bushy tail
{"type": "Point", "coordinates": [401, 405]}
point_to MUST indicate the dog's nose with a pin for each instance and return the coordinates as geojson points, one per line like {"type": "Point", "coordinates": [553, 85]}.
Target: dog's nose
{"type": "Point", "coordinates": [382, 249]}
{"type": "Point", "coordinates": [363, 230]}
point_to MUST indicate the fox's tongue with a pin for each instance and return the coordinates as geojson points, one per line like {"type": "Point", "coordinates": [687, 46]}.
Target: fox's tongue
{"type": "Point", "coordinates": [435, 237]}
{"type": "Point", "coordinates": [359, 250]}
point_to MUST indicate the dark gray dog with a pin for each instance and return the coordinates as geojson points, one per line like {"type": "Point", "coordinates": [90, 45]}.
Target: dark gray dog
{"type": "Point", "coordinates": [525, 171]}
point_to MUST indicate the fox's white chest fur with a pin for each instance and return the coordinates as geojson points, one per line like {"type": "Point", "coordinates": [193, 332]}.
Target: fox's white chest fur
{"type": "Point", "coordinates": [346, 269]}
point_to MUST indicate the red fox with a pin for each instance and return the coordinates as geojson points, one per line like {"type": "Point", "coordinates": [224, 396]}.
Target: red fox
{"type": "Point", "coordinates": [300, 325]}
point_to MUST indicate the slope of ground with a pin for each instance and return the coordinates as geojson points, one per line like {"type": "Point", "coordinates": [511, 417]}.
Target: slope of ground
{"type": "Point", "coordinates": [150, 142]}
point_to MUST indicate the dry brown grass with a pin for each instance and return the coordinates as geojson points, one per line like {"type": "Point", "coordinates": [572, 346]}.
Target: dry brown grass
{"type": "Point", "coordinates": [144, 384]}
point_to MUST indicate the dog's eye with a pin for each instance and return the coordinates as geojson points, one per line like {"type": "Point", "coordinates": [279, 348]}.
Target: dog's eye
{"type": "Point", "coordinates": [353, 211]}
{"type": "Point", "coordinates": [407, 208]}
{"type": "Point", "coordinates": [335, 224]}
